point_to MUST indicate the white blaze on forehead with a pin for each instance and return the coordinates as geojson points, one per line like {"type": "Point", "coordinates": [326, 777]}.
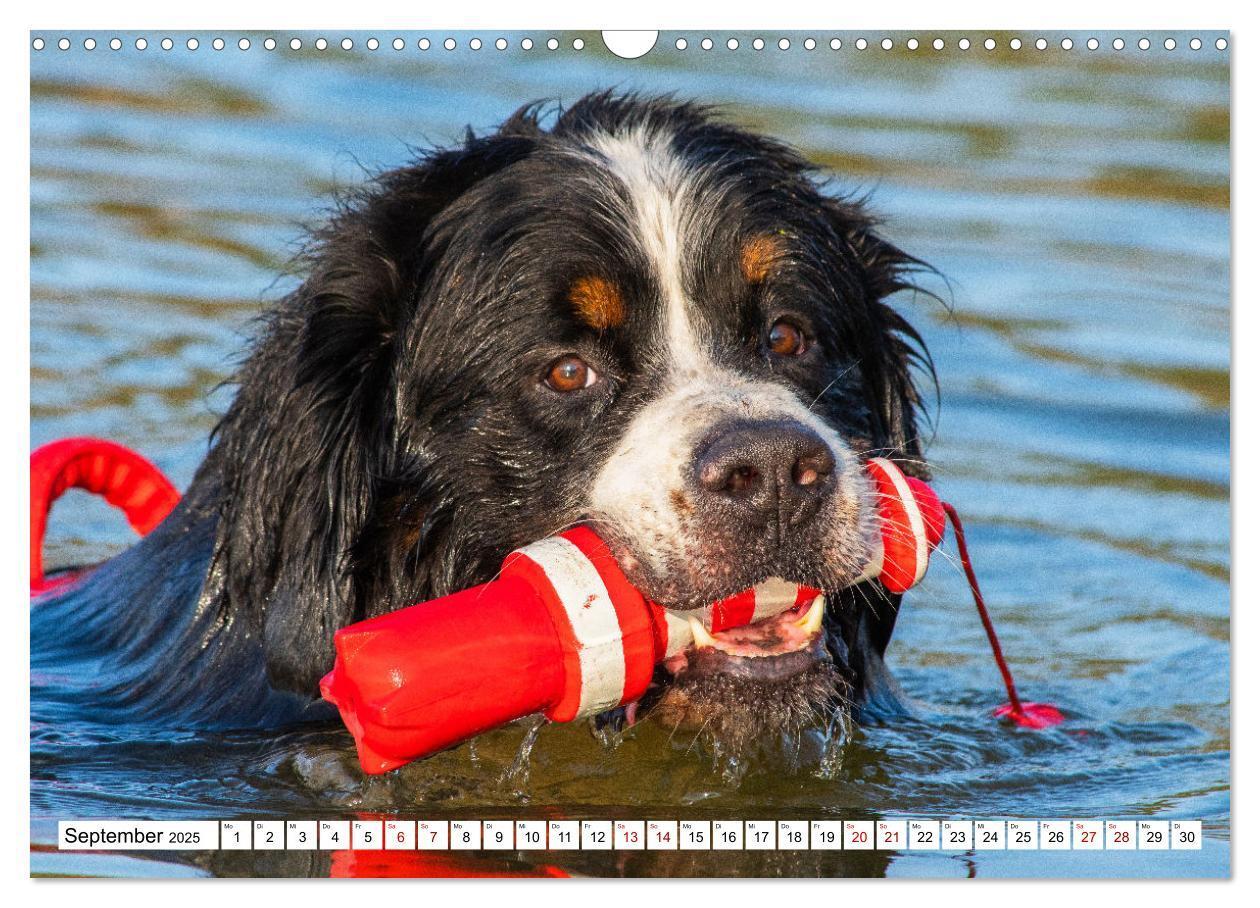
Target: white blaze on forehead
{"type": "Point", "coordinates": [639, 487]}
{"type": "Point", "coordinates": [663, 208]}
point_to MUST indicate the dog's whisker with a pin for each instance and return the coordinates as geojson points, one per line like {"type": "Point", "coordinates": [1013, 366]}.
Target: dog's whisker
{"type": "Point", "coordinates": [831, 384]}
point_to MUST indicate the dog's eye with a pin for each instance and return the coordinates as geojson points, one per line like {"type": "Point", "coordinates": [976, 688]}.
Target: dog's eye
{"type": "Point", "coordinates": [569, 373]}
{"type": "Point", "coordinates": [785, 339]}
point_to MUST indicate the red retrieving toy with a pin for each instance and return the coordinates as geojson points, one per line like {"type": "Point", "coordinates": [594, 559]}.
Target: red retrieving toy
{"type": "Point", "coordinates": [561, 631]}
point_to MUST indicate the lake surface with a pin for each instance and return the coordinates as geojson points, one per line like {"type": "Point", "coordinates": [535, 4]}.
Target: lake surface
{"type": "Point", "coordinates": [1077, 202]}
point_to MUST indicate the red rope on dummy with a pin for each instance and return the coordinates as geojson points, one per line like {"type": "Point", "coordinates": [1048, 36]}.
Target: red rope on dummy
{"type": "Point", "coordinates": [1030, 715]}
{"type": "Point", "coordinates": [961, 539]}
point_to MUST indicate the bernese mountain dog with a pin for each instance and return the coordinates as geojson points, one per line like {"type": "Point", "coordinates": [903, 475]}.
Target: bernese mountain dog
{"type": "Point", "coordinates": [632, 313]}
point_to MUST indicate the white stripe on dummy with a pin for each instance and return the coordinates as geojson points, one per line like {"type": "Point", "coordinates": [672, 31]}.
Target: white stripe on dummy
{"type": "Point", "coordinates": [593, 618]}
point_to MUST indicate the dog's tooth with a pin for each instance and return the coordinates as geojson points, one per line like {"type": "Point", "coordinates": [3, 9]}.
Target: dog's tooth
{"type": "Point", "coordinates": [812, 622]}
{"type": "Point", "coordinates": [702, 636]}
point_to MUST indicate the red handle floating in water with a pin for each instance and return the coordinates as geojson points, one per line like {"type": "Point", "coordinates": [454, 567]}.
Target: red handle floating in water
{"type": "Point", "coordinates": [121, 476]}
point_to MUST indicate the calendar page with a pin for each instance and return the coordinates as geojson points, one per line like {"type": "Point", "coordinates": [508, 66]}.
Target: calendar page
{"type": "Point", "coordinates": [704, 453]}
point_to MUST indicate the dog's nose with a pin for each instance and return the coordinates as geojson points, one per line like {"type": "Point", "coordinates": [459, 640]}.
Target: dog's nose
{"type": "Point", "coordinates": [773, 472]}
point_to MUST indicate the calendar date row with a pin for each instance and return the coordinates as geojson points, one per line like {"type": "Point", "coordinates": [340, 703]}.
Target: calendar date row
{"type": "Point", "coordinates": [619, 835]}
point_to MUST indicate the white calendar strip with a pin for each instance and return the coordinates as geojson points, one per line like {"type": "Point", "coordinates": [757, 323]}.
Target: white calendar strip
{"type": "Point", "coordinates": [891, 834]}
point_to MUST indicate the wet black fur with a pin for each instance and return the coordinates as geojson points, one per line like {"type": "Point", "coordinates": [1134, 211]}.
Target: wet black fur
{"type": "Point", "coordinates": [390, 441]}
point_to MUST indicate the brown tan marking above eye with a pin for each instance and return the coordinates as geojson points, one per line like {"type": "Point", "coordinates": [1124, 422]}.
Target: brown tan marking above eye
{"type": "Point", "coordinates": [597, 302]}
{"type": "Point", "coordinates": [759, 255]}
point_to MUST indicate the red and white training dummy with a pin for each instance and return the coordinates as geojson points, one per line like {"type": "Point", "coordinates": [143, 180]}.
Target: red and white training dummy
{"type": "Point", "coordinates": [561, 631]}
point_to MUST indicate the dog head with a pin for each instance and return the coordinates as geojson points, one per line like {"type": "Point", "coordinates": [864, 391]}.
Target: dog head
{"type": "Point", "coordinates": [642, 317]}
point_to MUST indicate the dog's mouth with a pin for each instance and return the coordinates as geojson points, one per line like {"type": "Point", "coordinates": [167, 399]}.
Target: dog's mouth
{"type": "Point", "coordinates": [747, 686]}
{"type": "Point", "coordinates": [773, 649]}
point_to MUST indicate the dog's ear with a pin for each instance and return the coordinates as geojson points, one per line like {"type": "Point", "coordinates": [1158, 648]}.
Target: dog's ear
{"type": "Point", "coordinates": [311, 433]}
{"type": "Point", "coordinates": [891, 348]}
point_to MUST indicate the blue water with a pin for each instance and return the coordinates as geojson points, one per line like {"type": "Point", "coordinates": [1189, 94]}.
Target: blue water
{"type": "Point", "coordinates": [1075, 202]}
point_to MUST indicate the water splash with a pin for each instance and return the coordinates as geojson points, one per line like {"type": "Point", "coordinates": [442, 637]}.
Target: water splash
{"type": "Point", "coordinates": [516, 775]}
{"type": "Point", "coordinates": [835, 742]}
